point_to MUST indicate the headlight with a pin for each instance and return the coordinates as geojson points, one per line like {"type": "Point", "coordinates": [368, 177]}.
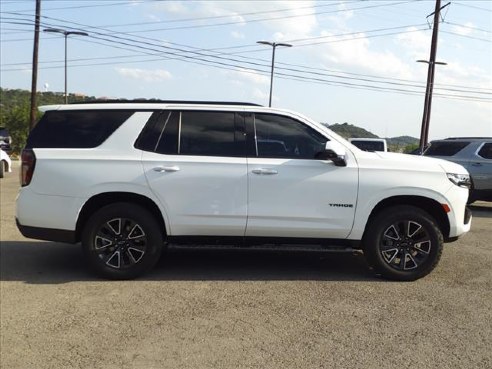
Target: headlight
{"type": "Point", "coordinates": [461, 180]}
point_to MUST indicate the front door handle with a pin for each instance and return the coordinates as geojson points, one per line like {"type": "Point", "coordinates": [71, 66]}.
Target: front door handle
{"type": "Point", "coordinates": [173, 168]}
{"type": "Point", "coordinates": [264, 171]}
{"type": "Point", "coordinates": [476, 164]}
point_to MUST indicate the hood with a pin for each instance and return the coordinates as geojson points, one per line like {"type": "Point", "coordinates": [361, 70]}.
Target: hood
{"type": "Point", "coordinates": [422, 161]}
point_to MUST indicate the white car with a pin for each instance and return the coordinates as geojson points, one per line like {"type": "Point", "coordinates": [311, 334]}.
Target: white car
{"type": "Point", "coordinates": [5, 163]}
{"type": "Point", "coordinates": [370, 144]}
{"type": "Point", "coordinates": [126, 179]}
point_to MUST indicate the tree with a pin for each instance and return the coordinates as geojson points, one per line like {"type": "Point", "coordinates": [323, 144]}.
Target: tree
{"type": "Point", "coordinates": [16, 120]}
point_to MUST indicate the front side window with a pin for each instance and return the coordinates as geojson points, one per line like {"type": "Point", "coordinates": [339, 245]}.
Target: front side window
{"type": "Point", "coordinates": [282, 137]}
{"type": "Point", "coordinates": [486, 151]}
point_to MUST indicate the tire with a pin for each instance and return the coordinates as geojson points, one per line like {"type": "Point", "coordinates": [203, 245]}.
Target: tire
{"type": "Point", "coordinates": [403, 243]}
{"type": "Point", "coordinates": [2, 168]}
{"type": "Point", "coordinates": [122, 241]}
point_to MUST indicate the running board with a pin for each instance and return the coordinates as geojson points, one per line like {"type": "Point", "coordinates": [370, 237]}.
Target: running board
{"type": "Point", "coordinates": [267, 247]}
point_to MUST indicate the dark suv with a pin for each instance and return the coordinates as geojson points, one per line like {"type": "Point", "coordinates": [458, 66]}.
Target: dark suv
{"type": "Point", "coordinates": [475, 154]}
{"type": "Point", "coordinates": [5, 140]}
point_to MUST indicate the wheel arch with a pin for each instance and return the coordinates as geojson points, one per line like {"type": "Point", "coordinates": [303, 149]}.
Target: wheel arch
{"type": "Point", "coordinates": [430, 206]}
{"type": "Point", "coordinates": [98, 201]}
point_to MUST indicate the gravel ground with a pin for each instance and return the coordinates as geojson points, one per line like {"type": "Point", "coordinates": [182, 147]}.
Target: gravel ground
{"type": "Point", "coordinates": [242, 309]}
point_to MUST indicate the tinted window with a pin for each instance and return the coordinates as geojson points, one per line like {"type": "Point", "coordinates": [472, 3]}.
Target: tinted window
{"type": "Point", "coordinates": [207, 134]}
{"type": "Point", "coordinates": [160, 134]}
{"type": "Point", "coordinates": [76, 128]}
{"type": "Point", "coordinates": [147, 140]}
{"type": "Point", "coordinates": [486, 151]}
{"type": "Point", "coordinates": [282, 137]}
{"type": "Point", "coordinates": [168, 140]}
{"type": "Point", "coordinates": [445, 148]}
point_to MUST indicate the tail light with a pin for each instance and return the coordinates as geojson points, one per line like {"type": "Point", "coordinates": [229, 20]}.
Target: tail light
{"type": "Point", "coordinates": [28, 164]}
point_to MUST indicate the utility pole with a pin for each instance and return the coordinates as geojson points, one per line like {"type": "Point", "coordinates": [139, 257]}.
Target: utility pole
{"type": "Point", "coordinates": [424, 132]}
{"type": "Point", "coordinates": [34, 83]}
{"type": "Point", "coordinates": [273, 45]}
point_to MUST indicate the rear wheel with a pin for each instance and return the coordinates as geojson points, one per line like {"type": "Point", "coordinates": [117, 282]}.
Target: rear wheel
{"type": "Point", "coordinates": [2, 168]}
{"type": "Point", "coordinates": [122, 241]}
{"type": "Point", "coordinates": [403, 243]}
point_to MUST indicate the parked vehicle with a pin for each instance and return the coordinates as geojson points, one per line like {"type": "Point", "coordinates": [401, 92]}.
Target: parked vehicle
{"type": "Point", "coordinates": [126, 179]}
{"type": "Point", "coordinates": [5, 140]}
{"type": "Point", "coordinates": [370, 144]}
{"type": "Point", "coordinates": [5, 163]}
{"type": "Point", "coordinates": [475, 154]}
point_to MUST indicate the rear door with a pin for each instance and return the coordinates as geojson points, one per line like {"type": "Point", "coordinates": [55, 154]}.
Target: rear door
{"type": "Point", "coordinates": [480, 167]}
{"type": "Point", "coordinates": [290, 192]}
{"type": "Point", "coordinates": [195, 163]}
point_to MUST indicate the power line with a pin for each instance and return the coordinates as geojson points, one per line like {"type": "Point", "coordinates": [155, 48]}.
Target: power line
{"type": "Point", "coordinates": [467, 36]}
{"type": "Point", "coordinates": [468, 27]}
{"type": "Point", "coordinates": [472, 6]}
{"type": "Point", "coordinates": [263, 65]}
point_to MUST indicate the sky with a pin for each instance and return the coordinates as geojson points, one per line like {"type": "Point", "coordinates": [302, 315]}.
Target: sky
{"type": "Point", "coordinates": [351, 61]}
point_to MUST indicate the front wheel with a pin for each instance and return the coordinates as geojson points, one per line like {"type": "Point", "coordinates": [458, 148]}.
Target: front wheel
{"type": "Point", "coordinates": [122, 241]}
{"type": "Point", "coordinates": [403, 243]}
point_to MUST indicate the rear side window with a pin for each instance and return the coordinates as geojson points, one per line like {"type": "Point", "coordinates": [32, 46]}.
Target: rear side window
{"type": "Point", "coordinates": [201, 133]}
{"type": "Point", "coordinates": [76, 129]}
{"type": "Point", "coordinates": [486, 151]}
{"type": "Point", "coordinates": [207, 134]}
{"type": "Point", "coordinates": [445, 148]}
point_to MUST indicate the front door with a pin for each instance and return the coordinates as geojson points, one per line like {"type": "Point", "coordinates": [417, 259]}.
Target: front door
{"type": "Point", "coordinates": [290, 193]}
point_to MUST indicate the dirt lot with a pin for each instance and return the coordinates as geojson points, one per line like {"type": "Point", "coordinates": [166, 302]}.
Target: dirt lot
{"type": "Point", "coordinates": [242, 309]}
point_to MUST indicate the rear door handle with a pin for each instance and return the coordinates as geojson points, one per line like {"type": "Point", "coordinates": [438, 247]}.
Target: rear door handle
{"type": "Point", "coordinates": [264, 171]}
{"type": "Point", "coordinates": [173, 168]}
{"type": "Point", "coordinates": [476, 164]}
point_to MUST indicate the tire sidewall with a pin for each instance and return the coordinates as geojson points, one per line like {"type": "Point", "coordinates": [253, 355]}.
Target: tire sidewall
{"type": "Point", "coordinates": [375, 232]}
{"type": "Point", "coordinates": [141, 216]}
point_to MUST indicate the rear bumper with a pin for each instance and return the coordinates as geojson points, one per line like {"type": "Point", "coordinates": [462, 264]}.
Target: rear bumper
{"type": "Point", "coordinates": [48, 234]}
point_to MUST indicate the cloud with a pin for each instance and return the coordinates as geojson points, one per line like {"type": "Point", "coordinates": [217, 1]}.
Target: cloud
{"type": "Point", "coordinates": [156, 75]}
{"type": "Point", "coordinates": [464, 30]}
{"type": "Point", "coordinates": [238, 35]}
{"type": "Point", "coordinates": [251, 77]}
{"type": "Point", "coordinates": [357, 53]}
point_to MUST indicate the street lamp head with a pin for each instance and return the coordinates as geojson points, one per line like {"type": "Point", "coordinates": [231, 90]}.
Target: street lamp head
{"type": "Point", "coordinates": [273, 44]}
{"type": "Point", "coordinates": [76, 33]}
{"type": "Point", "coordinates": [54, 30]}
{"type": "Point", "coordinates": [65, 32]}
{"type": "Point", "coordinates": [265, 43]}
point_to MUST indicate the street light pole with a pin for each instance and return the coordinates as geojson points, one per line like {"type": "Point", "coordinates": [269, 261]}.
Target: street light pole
{"type": "Point", "coordinates": [66, 34]}
{"type": "Point", "coordinates": [274, 46]}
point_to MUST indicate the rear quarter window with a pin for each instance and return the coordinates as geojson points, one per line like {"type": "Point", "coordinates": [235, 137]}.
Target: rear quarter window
{"type": "Point", "coordinates": [76, 129]}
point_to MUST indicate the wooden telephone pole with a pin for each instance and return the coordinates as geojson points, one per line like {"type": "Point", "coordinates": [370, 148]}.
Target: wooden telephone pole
{"type": "Point", "coordinates": [34, 83]}
{"type": "Point", "coordinates": [424, 133]}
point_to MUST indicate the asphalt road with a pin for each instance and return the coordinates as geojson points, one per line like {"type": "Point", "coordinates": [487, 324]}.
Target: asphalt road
{"type": "Point", "coordinates": [242, 309]}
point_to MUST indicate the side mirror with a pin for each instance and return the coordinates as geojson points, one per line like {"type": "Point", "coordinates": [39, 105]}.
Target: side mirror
{"type": "Point", "coordinates": [334, 152]}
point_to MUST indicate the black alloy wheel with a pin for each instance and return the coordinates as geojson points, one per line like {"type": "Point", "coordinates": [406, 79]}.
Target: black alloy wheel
{"type": "Point", "coordinates": [122, 241]}
{"type": "Point", "coordinates": [402, 243]}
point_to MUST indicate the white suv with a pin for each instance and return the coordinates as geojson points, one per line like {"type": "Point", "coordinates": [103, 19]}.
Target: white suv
{"type": "Point", "coordinates": [126, 179]}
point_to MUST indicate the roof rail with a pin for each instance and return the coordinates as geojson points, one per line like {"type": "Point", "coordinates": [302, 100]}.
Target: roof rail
{"type": "Point", "coordinates": [146, 101]}
{"type": "Point", "coordinates": [468, 138]}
